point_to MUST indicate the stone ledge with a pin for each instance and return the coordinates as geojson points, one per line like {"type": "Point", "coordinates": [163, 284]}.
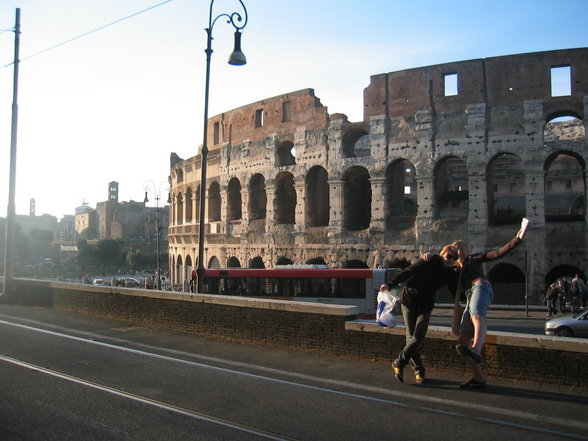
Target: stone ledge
{"type": "Point", "coordinates": [494, 337]}
{"type": "Point", "coordinates": [243, 302]}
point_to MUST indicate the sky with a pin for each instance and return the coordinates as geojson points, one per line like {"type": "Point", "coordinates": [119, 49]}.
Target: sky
{"type": "Point", "coordinates": [113, 104]}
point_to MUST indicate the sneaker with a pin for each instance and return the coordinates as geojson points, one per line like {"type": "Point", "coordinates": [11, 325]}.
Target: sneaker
{"type": "Point", "coordinates": [420, 377]}
{"type": "Point", "coordinates": [398, 371]}
{"type": "Point", "coordinates": [464, 351]}
{"type": "Point", "coordinates": [472, 383]}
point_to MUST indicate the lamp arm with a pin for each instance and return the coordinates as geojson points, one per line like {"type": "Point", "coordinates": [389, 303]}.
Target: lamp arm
{"type": "Point", "coordinates": [233, 18]}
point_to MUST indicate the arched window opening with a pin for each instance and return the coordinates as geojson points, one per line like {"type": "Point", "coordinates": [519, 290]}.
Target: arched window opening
{"type": "Point", "coordinates": [355, 142]}
{"type": "Point", "coordinates": [396, 263]}
{"type": "Point", "coordinates": [451, 189]}
{"type": "Point", "coordinates": [506, 190]}
{"type": "Point", "coordinates": [189, 201]}
{"type": "Point", "coordinates": [233, 262]}
{"type": "Point", "coordinates": [285, 154]}
{"type": "Point", "coordinates": [401, 195]}
{"type": "Point", "coordinates": [214, 263]}
{"type": "Point", "coordinates": [189, 267]}
{"type": "Point", "coordinates": [284, 261]}
{"type": "Point", "coordinates": [180, 209]}
{"type": "Point", "coordinates": [357, 205]}
{"type": "Point", "coordinates": [564, 127]}
{"type": "Point", "coordinates": [565, 188]}
{"type": "Point", "coordinates": [180, 175]}
{"type": "Point", "coordinates": [257, 198]}
{"type": "Point", "coordinates": [565, 272]}
{"type": "Point", "coordinates": [256, 263]}
{"type": "Point", "coordinates": [316, 261]}
{"type": "Point", "coordinates": [214, 202]}
{"type": "Point", "coordinates": [317, 197]}
{"type": "Point", "coordinates": [508, 283]}
{"type": "Point", "coordinates": [179, 270]}
{"type": "Point", "coordinates": [234, 200]}
{"type": "Point", "coordinates": [285, 199]}
{"type": "Point", "coordinates": [358, 264]}
{"type": "Point", "coordinates": [197, 217]}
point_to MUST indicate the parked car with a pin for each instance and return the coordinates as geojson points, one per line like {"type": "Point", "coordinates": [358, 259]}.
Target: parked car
{"type": "Point", "coordinates": [98, 282]}
{"type": "Point", "coordinates": [570, 326]}
{"type": "Point", "coordinates": [127, 282]}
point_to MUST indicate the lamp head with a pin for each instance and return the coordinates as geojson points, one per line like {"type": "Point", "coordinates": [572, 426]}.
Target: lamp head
{"type": "Point", "coordinates": [146, 198]}
{"type": "Point", "coordinates": [237, 58]}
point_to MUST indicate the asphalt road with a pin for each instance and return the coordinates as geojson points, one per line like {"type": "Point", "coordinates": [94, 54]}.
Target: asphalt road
{"type": "Point", "coordinates": [69, 377]}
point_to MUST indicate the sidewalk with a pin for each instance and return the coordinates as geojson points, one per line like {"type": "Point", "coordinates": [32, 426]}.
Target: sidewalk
{"type": "Point", "coordinates": [500, 312]}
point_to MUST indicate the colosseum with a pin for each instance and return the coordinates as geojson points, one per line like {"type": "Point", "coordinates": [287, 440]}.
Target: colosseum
{"type": "Point", "coordinates": [461, 150]}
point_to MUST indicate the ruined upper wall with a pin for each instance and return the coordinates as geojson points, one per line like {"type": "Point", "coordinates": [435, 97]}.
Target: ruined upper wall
{"type": "Point", "coordinates": [282, 115]}
{"type": "Point", "coordinates": [499, 81]}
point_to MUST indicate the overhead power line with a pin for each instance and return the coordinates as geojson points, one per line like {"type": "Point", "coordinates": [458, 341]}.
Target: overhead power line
{"type": "Point", "coordinates": [55, 46]}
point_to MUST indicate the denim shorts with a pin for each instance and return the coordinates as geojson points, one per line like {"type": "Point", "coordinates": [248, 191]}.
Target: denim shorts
{"type": "Point", "coordinates": [479, 299]}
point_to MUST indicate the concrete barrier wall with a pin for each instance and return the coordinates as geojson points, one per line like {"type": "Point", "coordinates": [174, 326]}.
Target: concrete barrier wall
{"type": "Point", "coordinates": [309, 326]}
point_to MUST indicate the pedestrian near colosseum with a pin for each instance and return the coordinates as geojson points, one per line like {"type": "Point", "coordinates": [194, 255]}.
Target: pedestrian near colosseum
{"type": "Point", "coordinates": [479, 296]}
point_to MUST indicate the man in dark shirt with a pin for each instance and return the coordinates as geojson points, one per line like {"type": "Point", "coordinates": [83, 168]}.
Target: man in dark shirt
{"type": "Point", "coordinates": [421, 279]}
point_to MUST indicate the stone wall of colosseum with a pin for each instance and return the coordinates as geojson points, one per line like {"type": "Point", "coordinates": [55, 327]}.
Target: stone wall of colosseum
{"type": "Point", "coordinates": [460, 150]}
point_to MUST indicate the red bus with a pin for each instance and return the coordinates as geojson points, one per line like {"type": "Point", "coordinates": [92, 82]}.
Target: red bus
{"type": "Point", "coordinates": [357, 287]}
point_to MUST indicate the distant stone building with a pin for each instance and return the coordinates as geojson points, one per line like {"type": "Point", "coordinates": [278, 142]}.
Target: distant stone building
{"type": "Point", "coordinates": [459, 150]}
{"type": "Point", "coordinates": [116, 220]}
{"type": "Point", "coordinates": [34, 222]}
{"type": "Point", "coordinates": [65, 234]}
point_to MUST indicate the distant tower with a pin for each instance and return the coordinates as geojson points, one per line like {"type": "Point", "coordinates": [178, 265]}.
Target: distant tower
{"type": "Point", "coordinates": [113, 192]}
{"type": "Point", "coordinates": [32, 207]}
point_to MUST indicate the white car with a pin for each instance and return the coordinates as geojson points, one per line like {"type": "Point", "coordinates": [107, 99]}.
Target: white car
{"type": "Point", "coordinates": [571, 326]}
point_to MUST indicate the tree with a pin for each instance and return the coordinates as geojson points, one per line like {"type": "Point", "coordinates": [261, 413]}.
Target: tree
{"type": "Point", "coordinates": [108, 251]}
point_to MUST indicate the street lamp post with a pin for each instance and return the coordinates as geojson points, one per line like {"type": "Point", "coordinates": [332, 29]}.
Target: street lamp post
{"type": "Point", "coordinates": [237, 58]}
{"type": "Point", "coordinates": [158, 229]}
{"type": "Point", "coordinates": [11, 209]}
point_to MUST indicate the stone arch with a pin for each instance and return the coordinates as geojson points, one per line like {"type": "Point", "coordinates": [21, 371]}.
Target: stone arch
{"type": "Point", "coordinates": [213, 262]}
{"type": "Point", "coordinates": [179, 276]}
{"type": "Point", "coordinates": [565, 187]}
{"type": "Point", "coordinates": [401, 205]}
{"type": "Point", "coordinates": [189, 201]}
{"type": "Point", "coordinates": [563, 126]}
{"type": "Point", "coordinates": [233, 262]}
{"type": "Point", "coordinates": [257, 197]}
{"type": "Point", "coordinates": [214, 202]}
{"type": "Point", "coordinates": [234, 200]}
{"type": "Point", "coordinates": [180, 208]}
{"type": "Point", "coordinates": [282, 260]}
{"type": "Point", "coordinates": [285, 199]}
{"type": "Point", "coordinates": [315, 261]}
{"type": "Point", "coordinates": [197, 217]}
{"type": "Point", "coordinates": [285, 154]}
{"type": "Point", "coordinates": [450, 187]}
{"type": "Point", "coordinates": [257, 263]}
{"type": "Point", "coordinates": [355, 142]}
{"type": "Point", "coordinates": [508, 283]}
{"type": "Point", "coordinates": [564, 270]}
{"type": "Point", "coordinates": [357, 199]}
{"type": "Point", "coordinates": [506, 189]}
{"type": "Point", "coordinates": [354, 263]}
{"type": "Point", "coordinates": [317, 197]}
{"type": "Point", "coordinates": [396, 263]}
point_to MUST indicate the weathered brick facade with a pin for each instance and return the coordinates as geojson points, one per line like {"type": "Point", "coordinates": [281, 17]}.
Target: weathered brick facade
{"type": "Point", "coordinates": [431, 162]}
